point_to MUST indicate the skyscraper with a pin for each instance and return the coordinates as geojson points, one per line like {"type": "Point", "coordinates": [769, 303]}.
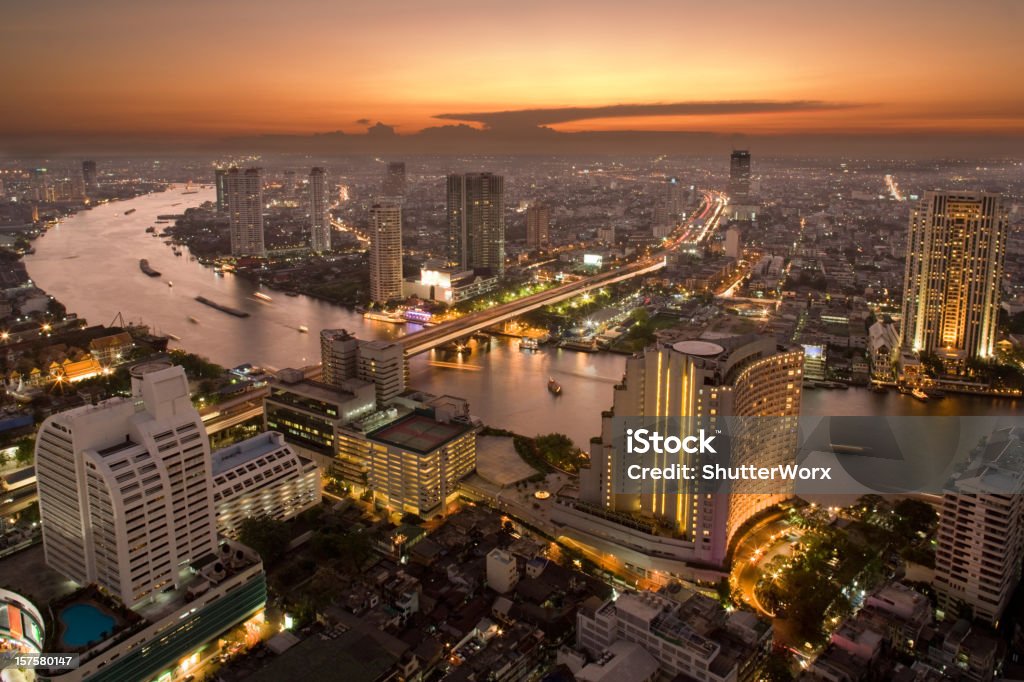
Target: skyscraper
{"type": "Point", "coordinates": [394, 181]}
{"type": "Point", "coordinates": [476, 222]}
{"type": "Point", "coordinates": [89, 177]}
{"type": "Point", "coordinates": [951, 288]}
{"type": "Point", "coordinates": [319, 218]}
{"type": "Point", "coordinates": [700, 382]}
{"type": "Point", "coordinates": [739, 177]}
{"type": "Point", "coordinates": [125, 487]}
{"type": "Point", "coordinates": [244, 194]}
{"type": "Point", "coordinates": [220, 185]}
{"type": "Point", "coordinates": [538, 218]}
{"type": "Point", "coordinates": [385, 252]}
{"type": "Point", "coordinates": [981, 531]}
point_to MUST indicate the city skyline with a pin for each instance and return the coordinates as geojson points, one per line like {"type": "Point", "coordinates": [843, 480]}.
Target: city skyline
{"type": "Point", "coordinates": [690, 73]}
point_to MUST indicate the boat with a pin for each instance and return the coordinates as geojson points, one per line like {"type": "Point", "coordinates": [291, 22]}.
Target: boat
{"type": "Point", "coordinates": [151, 229]}
{"type": "Point", "coordinates": [129, 211]}
{"type": "Point", "coordinates": [144, 266]}
{"type": "Point", "coordinates": [291, 294]}
{"type": "Point", "coordinates": [393, 318]}
{"type": "Point", "coordinates": [170, 284]}
{"type": "Point", "coordinates": [221, 307]}
{"type": "Point", "coordinates": [935, 393]}
{"type": "Point", "coordinates": [193, 320]}
{"type": "Point", "coordinates": [878, 388]}
{"type": "Point", "coordinates": [262, 296]}
{"type": "Point", "coordinates": [173, 336]}
{"type": "Point", "coordinates": [526, 343]}
{"type": "Point", "coordinates": [303, 329]}
{"type": "Point", "coordinates": [554, 387]}
{"type": "Point", "coordinates": [920, 395]}
{"type": "Point", "coordinates": [581, 345]}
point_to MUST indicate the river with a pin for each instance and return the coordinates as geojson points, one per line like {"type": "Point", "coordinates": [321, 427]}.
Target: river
{"type": "Point", "coordinates": [90, 262]}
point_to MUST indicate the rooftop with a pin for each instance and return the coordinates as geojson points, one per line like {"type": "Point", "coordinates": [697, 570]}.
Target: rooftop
{"type": "Point", "coordinates": [246, 451]}
{"type": "Point", "coordinates": [419, 433]}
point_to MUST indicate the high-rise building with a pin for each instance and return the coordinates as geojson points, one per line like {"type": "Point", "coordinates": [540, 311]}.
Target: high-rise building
{"type": "Point", "coordinates": [951, 288]}
{"type": "Point", "coordinates": [220, 176]}
{"type": "Point", "coordinates": [339, 352]}
{"type": "Point", "coordinates": [290, 184]}
{"type": "Point", "coordinates": [538, 219]}
{"type": "Point", "coordinates": [385, 251]}
{"type": "Point", "coordinates": [476, 222]}
{"type": "Point", "coordinates": [739, 177]}
{"type": "Point", "coordinates": [89, 177]}
{"type": "Point", "coordinates": [382, 363]}
{"type": "Point", "coordinates": [981, 531]}
{"type": "Point", "coordinates": [394, 181]}
{"type": "Point", "coordinates": [244, 194]}
{"type": "Point", "coordinates": [343, 357]}
{"type": "Point", "coordinates": [319, 217]}
{"type": "Point", "coordinates": [698, 382]}
{"type": "Point", "coordinates": [125, 488]}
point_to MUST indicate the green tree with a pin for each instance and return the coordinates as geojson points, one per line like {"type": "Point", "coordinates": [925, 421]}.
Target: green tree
{"type": "Point", "coordinates": [26, 453]}
{"type": "Point", "coordinates": [267, 536]}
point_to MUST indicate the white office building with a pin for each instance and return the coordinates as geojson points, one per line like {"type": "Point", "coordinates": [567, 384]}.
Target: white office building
{"type": "Point", "coordinates": [262, 477]}
{"type": "Point", "coordinates": [981, 531]}
{"type": "Point", "coordinates": [125, 488]}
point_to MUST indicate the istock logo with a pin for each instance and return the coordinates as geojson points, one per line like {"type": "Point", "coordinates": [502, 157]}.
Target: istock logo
{"type": "Point", "coordinates": [644, 441]}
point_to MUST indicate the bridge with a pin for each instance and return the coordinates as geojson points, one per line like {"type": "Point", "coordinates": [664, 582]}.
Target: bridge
{"type": "Point", "coordinates": [422, 341]}
{"type": "Point", "coordinates": [698, 227]}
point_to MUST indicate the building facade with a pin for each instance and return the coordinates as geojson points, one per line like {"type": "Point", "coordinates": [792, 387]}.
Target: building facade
{"type": "Point", "coordinates": [476, 222]}
{"type": "Point", "coordinates": [319, 216]}
{"type": "Point", "coordinates": [951, 287]}
{"type": "Point", "coordinates": [538, 226]}
{"type": "Point", "coordinates": [243, 193]}
{"type": "Point", "coordinates": [697, 383]}
{"type": "Point", "coordinates": [385, 252]}
{"type": "Point", "coordinates": [125, 490]}
{"type": "Point", "coordinates": [394, 180]}
{"type": "Point", "coordinates": [981, 531]}
{"type": "Point", "coordinates": [262, 477]}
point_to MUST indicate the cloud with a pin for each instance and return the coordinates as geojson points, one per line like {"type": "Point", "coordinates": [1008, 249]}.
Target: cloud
{"type": "Point", "coordinates": [381, 129]}
{"type": "Point", "coordinates": [363, 121]}
{"type": "Point", "coordinates": [533, 118]}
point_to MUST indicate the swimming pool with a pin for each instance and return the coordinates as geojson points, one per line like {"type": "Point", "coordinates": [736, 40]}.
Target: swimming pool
{"type": "Point", "coordinates": [84, 624]}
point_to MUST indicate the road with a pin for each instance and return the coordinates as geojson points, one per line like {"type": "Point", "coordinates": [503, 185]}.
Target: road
{"type": "Point", "coordinates": [698, 227]}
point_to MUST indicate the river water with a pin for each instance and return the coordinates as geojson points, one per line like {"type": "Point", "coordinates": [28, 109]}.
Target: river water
{"type": "Point", "coordinates": [90, 262]}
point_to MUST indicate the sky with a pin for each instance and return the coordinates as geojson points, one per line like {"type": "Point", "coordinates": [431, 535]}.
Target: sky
{"type": "Point", "coordinates": [196, 70]}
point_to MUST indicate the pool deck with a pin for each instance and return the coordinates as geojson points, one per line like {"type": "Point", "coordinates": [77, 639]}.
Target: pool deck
{"type": "Point", "coordinates": [26, 573]}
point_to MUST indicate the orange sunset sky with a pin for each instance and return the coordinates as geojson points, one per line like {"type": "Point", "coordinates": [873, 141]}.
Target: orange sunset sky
{"type": "Point", "coordinates": [248, 67]}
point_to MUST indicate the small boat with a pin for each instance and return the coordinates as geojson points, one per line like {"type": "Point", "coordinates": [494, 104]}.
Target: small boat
{"type": "Point", "coordinates": [554, 387]}
{"type": "Point", "coordinates": [303, 329]}
{"type": "Point", "coordinates": [129, 211]}
{"type": "Point", "coordinates": [193, 320]}
{"type": "Point", "coordinates": [150, 229]}
{"type": "Point", "coordinates": [878, 388]}
{"type": "Point", "coordinates": [170, 284]}
{"type": "Point", "coordinates": [920, 395]}
{"type": "Point", "coordinates": [526, 343]}
{"type": "Point", "coordinates": [144, 266]}
{"type": "Point", "coordinates": [262, 296]}
{"type": "Point", "coordinates": [173, 336]}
